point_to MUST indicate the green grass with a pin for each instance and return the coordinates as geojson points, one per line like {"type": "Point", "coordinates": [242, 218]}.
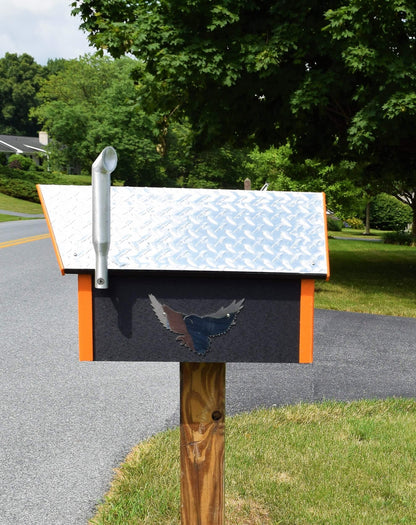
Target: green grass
{"type": "Point", "coordinates": [18, 205]}
{"type": "Point", "coordinates": [7, 218]}
{"type": "Point", "coordinates": [329, 463]}
{"type": "Point", "coordinates": [350, 232]}
{"type": "Point", "coordinates": [369, 277]}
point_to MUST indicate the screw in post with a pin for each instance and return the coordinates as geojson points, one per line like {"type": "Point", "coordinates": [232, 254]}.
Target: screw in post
{"type": "Point", "coordinates": [216, 415]}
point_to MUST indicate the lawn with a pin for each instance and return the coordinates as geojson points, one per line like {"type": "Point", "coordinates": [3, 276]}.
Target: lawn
{"type": "Point", "coordinates": [369, 277]}
{"type": "Point", "coordinates": [328, 463]}
{"type": "Point", "coordinates": [359, 234]}
{"type": "Point", "coordinates": [334, 463]}
{"type": "Point", "coordinates": [18, 205]}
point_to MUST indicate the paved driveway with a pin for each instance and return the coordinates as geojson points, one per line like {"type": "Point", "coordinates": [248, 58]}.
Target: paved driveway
{"type": "Point", "coordinates": [65, 425]}
{"type": "Point", "coordinates": [356, 356]}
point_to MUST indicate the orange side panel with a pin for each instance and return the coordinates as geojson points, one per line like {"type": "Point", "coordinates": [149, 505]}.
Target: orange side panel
{"type": "Point", "coordinates": [326, 238]}
{"type": "Point", "coordinates": [85, 319]}
{"type": "Point", "coordinates": [307, 289]}
{"type": "Point", "coordinates": [48, 222]}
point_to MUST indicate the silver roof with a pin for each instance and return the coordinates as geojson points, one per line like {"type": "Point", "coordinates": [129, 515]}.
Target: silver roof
{"type": "Point", "coordinates": [194, 230]}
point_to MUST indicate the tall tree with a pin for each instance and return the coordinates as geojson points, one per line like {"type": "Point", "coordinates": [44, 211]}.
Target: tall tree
{"type": "Point", "coordinates": [338, 77]}
{"type": "Point", "coordinates": [93, 102]}
{"type": "Point", "coordinates": [232, 66]}
{"type": "Point", "coordinates": [20, 80]}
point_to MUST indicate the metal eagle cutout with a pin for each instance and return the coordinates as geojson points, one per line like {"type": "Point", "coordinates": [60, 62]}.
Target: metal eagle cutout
{"type": "Point", "coordinates": [195, 331]}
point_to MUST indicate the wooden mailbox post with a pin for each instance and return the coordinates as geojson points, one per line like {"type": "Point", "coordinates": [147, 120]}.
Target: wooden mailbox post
{"type": "Point", "coordinates": [201, 277]}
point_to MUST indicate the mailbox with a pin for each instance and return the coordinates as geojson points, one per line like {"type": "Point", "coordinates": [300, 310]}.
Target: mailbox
{"type": "Point", "coordinates": [194, 275]}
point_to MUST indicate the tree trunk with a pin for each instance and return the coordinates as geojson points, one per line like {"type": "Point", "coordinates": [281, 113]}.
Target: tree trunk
{"type": "Point", "coordinates": [367, 218]}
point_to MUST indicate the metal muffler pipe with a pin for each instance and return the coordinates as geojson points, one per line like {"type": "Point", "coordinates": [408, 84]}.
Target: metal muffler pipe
{"type": "Point", "coordinates": [101, 171]}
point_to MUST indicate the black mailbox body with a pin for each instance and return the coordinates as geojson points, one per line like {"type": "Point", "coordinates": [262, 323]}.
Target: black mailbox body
{"type": "Point", "coordinates": [229, 278]}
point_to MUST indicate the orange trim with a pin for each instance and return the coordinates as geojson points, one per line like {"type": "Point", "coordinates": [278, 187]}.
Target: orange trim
{"type": "Point", "coordinates": [48, 222]}
{"type": "Point", "coordinates": [307, 288]}
{"type": "Point", "coordinates": [85, 319]}
{"type": "Point", "coordinates": [326, 238]}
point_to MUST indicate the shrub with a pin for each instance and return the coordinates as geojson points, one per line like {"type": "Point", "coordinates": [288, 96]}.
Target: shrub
{"type": "Point", "coordinates": [356, 224]}
{"type": "Point", "coordinates": [19, 188]}
{"type": "Point", "coordinates": [20, 162]}
{"type": "Point", "coordinates": [22, 184]}
{"type": "Point", "coordinates": [334, 225]}
{"type": "Point", "coordinates": [402, 238]}
{"type": "Point", "coordinates": [388, 213]}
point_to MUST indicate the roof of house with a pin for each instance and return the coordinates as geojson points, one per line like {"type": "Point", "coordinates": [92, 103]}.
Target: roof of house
{"type": "Point", "coordinates": [22, 145]}
{"type": "Point", "coordinates": [194, 230]}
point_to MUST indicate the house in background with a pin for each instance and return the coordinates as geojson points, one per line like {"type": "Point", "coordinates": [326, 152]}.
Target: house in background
{"type": "Point", "coordinates": [33, 147]}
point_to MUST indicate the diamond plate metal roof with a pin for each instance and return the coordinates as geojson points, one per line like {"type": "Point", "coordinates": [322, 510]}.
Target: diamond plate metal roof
{"type": "Point", "coordinates": [194, 230]}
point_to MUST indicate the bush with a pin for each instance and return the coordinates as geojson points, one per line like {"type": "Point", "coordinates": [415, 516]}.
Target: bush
{"type": "Point", "coordinates": [334, 225]}
{"type": "Point", "coordinates": [388, 213]}
{"type": "Point", "coordinates": [402, 238]}
{"type": "Point", "coordinates": [20, 162]}
{"type": "Point", "coordinates": [19, 188]}
{"type": "Point", "coordinates": [356, 224]}
{"type": "Point", "coordinates": [22, 184]}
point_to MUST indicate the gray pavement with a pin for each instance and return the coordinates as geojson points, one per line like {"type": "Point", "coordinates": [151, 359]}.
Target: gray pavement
{"type": "Point", "coordinates": [356, 356]}
{"type": "Point", "coordinates": [66, 425]}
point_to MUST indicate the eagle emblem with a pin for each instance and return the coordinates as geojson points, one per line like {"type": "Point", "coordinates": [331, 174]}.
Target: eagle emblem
{"type": "Point", "coordinates": [195, 331]}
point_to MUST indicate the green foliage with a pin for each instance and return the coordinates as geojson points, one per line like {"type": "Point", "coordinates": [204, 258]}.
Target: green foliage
{"type": "Point", "coordinates": [93, 102]}
{"type": "Point", "coordinates": [21, 162]}
{"type": "Point", "coordinates": [220, 168]}
{"type": "Point", "coordinates": [19, 188]}
{"type": "Point", "coordinates": [20, 81]}
{"type": "Point", "coordinates": [400, 238]}
{"type": "Point", "coordinates": [22, 184]}
{"type": "Point", "coordinates": [334, 225]}
{"type": "Point", "coordinates": [388, 213]}
{"type": "Point", "coordinates": [285, 172]}
{"type": "Point", "coordinates": [335, 77]}
{"type": "Point", "coordinates": [274, 166]}
{"type": "Point", "coordinates": [356, 224]}
{"type": "Point", "coordinates": [226, 64]}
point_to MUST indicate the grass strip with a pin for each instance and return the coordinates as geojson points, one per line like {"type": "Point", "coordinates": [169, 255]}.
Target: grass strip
{"type": "Point", "coordinates": [18, 205]}
{"type": "Point", "coordinates": [332, 462]}
{"type": "Point", "coordinates": [369, 277]}
{"type": "Point", "coordinates": [7, 218]}
{"type": "Point", "coordinates": [359, 234]}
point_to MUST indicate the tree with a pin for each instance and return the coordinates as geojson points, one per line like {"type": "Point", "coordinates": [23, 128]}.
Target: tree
{"type": "Point", "coordinates": [378, 42]}
{"type": "Point", "coordinates": [336, 77]}
{"type": "Point", "coordinates": [277, 167]}
{"type": "Point", "coordinates": [93, 102]}
{"type": "Point", "coordinates": [231, 66]}
{"type": "Point", "coordinates": [20, 80]}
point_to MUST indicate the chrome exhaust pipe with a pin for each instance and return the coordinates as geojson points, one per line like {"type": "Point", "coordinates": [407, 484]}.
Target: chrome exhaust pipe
{"type": "Point", "coordinates": [101, 171]}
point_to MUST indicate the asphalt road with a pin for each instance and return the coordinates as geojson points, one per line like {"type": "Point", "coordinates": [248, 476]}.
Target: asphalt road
{"type": "Point", "coordinates": [65, 425]}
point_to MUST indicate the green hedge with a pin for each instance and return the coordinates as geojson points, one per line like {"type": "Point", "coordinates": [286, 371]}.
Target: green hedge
{"type": "Point", "coordinates": [334, 225]}
{"type": "Point", "coordinates": [402, 238]}
{"type": "Point", "coordinates": [22, 184]}
{"type": "Point", "coordinates": [388, 213]}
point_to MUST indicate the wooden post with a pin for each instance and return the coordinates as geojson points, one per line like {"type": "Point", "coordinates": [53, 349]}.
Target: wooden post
{"type": "Point", "coordinates": [202, 422]}
{"type": "Point", "coordinates": [247, 184]}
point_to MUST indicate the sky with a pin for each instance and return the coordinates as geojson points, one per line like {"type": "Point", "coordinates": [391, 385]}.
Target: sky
{"type": "Point", "coordinates": [41, 28]}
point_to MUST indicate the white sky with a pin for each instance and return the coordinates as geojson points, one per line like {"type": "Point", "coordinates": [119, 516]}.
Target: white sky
{"type": "Point", "coordinates": [42, 28]}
